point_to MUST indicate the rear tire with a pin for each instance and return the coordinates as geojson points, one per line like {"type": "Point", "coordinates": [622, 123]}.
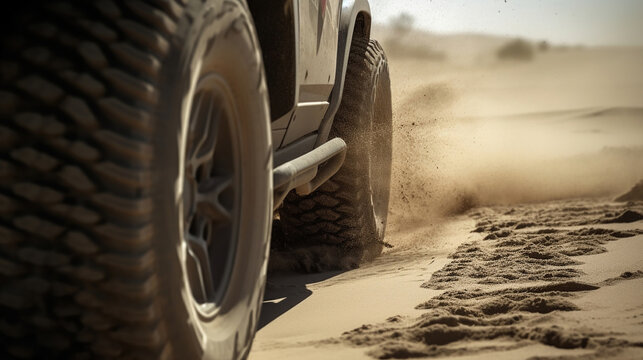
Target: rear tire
{"type": "Point", "coordinates": [97, 191]}
{"type": "Point", "coordinates": [350, 210]}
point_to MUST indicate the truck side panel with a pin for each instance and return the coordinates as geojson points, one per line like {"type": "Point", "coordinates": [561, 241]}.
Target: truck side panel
{"type": "Point", "coordinates": [316, 64]}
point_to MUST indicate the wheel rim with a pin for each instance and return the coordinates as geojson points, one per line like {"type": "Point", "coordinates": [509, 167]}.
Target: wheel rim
{"type": "Point", "coordinates": [212, 192]}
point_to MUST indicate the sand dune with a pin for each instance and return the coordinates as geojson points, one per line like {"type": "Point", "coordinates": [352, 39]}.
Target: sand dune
{"type": "Point", "coordinates": [635, 194]}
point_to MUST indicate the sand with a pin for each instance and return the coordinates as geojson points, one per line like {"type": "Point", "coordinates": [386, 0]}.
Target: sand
{"type": "Point", "coordinates": [525, 284]}
{"type": "Point", "coordinates": [507, 241]}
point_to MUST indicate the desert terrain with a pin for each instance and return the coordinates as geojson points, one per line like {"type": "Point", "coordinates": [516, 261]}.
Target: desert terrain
{"type": "Point", "coordinates": [509, 235]}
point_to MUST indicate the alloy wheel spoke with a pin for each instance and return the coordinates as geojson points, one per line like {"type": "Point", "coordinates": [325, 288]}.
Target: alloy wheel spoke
{"type": "Point", "coordinates": [204, 138]}
{"type": "Point", "coordinates": [198, 251]}
{"type": "Point", "coordinates": [209, 200]}
{"type": "Point", "coordinates": [194, 130]}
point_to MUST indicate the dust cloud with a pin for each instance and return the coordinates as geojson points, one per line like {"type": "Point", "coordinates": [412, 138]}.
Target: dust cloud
{"type": "Point", "coordinates": [471, 130]}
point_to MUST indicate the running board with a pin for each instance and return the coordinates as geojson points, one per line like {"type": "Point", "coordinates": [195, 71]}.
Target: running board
{"type": "Point", "coordinates": [309, 171]}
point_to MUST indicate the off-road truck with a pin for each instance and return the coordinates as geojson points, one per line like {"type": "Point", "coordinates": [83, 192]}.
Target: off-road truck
{"type": "Point", "coordinates": [147, 146]}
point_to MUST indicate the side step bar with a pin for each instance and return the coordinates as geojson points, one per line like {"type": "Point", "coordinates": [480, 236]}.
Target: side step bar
{"type": "Point", "coordinates": [308, 172]}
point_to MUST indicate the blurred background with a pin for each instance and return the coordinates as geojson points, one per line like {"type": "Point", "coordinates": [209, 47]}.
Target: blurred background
{"type": "Point", "coordinates": [499, 102]}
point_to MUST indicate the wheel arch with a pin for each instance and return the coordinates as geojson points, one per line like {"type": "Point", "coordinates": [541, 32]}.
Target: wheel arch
{"type": "Point", "coordinates": [277, 30]}
{"type": "Point", "coordinates": [354, 22]}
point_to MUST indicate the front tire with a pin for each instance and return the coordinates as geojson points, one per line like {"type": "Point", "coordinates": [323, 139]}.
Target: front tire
{"type": "Point", "coordinates": [135, 148]}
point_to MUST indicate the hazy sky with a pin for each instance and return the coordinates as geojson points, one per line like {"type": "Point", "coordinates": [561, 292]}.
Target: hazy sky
{"type": "Point", "coordinates": [591, 22]}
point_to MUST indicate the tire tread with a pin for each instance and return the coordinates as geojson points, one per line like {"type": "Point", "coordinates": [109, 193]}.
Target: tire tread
{"type": "Point", "coordinates": [335, 214]}
{"type": "Point", "coordinates": [75, 230]}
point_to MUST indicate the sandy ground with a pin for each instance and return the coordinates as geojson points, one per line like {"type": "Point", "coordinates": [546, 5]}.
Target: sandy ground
{"type": "Point", "coordinates": [507, 241]}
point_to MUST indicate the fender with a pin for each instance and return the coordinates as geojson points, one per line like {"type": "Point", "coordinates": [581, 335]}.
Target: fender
{"type": "Point", "coordinates": [355, 14]}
